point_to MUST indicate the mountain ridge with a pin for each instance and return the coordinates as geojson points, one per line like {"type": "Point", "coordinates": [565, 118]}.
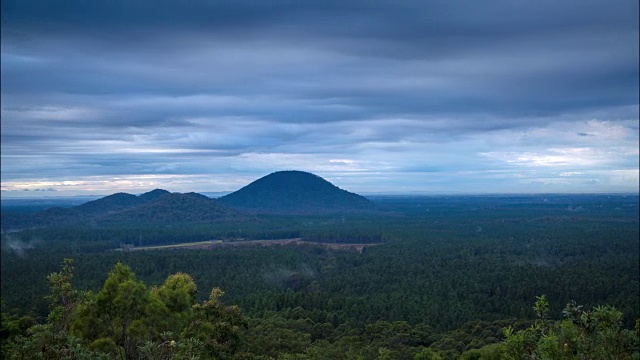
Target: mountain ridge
{"type": "Point", "coordinates": [175, 208]}
{"type": "Point", "coordinates": [157, 206]}
{"type": "Point", "coordinates": [288, 192]}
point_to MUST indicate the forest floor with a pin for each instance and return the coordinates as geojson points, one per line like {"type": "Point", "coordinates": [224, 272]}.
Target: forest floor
{"type": "Point", "coordinates": [214, 244]}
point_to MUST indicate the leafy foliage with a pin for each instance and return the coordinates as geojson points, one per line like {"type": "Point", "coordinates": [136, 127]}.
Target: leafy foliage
{"type": "Point", "coordinates": [583, 334]}
{"type": "Point", "coordinates": [126, 320]}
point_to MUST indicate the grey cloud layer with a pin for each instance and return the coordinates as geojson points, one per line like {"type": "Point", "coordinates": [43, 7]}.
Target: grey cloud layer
{"type": "Point", "coordinates": [126, 88]}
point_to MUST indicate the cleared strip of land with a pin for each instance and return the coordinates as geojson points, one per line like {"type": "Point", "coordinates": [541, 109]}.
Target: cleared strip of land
{"type": "Point", "coordinates": [213, 244]}
{"type": "Point", "coordinates": [171, 246]}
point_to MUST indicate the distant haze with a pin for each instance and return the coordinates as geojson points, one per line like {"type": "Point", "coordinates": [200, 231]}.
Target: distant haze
{"type": "Point", "coordinates": [424, 97]}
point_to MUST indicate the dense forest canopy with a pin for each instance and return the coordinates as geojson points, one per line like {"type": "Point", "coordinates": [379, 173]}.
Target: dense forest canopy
{"type": "Point", "coordinates": [125, 319]}
{"type": "Point", "coordinates": [438, 275]}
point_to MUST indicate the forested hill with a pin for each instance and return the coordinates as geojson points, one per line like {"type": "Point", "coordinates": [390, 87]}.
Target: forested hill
{"type": "Point", "coordinates": [175, 208]}
{"type": "Point", "coordinates": [445, 279]}
{"type": "Point", "coordinates": [295, 192]}
{"type": "Point", "coordinates": [122, 209]}
{"type": "Point", "coordinates": [282, 192]}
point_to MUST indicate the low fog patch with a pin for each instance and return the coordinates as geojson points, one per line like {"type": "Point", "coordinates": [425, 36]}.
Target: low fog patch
{"type": "Point", "coordinates": [14, 245]}
{"type": "Point", "coordinates": [286, 278]}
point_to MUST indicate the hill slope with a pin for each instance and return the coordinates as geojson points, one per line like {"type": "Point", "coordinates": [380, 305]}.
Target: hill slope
{"type": "Point", "coordinates": [157, 206]}
{"type": "Point", "coordinates": [295, 192]}
{"type": "Point", "coordinates": [108, 204]}
{"type": "Point", "coordinates": [174, 208]}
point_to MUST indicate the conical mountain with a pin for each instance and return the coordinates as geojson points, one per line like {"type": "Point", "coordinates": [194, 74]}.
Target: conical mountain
{"type": "Point", "coordinates": [295, 192]}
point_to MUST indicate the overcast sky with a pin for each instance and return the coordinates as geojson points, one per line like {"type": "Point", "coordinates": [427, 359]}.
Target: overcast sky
{"type": "Point", "coordinates": [375, 96]}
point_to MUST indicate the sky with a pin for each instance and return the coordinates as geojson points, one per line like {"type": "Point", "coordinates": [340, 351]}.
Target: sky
{"type": "Point", "coordinates": [474, 97]}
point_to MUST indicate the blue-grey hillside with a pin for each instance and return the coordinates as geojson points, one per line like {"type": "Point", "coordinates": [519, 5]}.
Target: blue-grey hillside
{"type": "Point", "coordinates": [174, 208]}
{"type": "Point", "coordinates": [295, 192]}
{"type": "Point", "coordinates": [118, 202]}
{"type": "Point", "coordinates": [122, 209]}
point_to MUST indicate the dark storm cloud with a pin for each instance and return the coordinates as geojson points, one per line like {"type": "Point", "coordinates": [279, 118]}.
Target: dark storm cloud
{"type": "Point", "coordinates": [142, 87]}
{"type": "Point", "coordinates": [507, 57]}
